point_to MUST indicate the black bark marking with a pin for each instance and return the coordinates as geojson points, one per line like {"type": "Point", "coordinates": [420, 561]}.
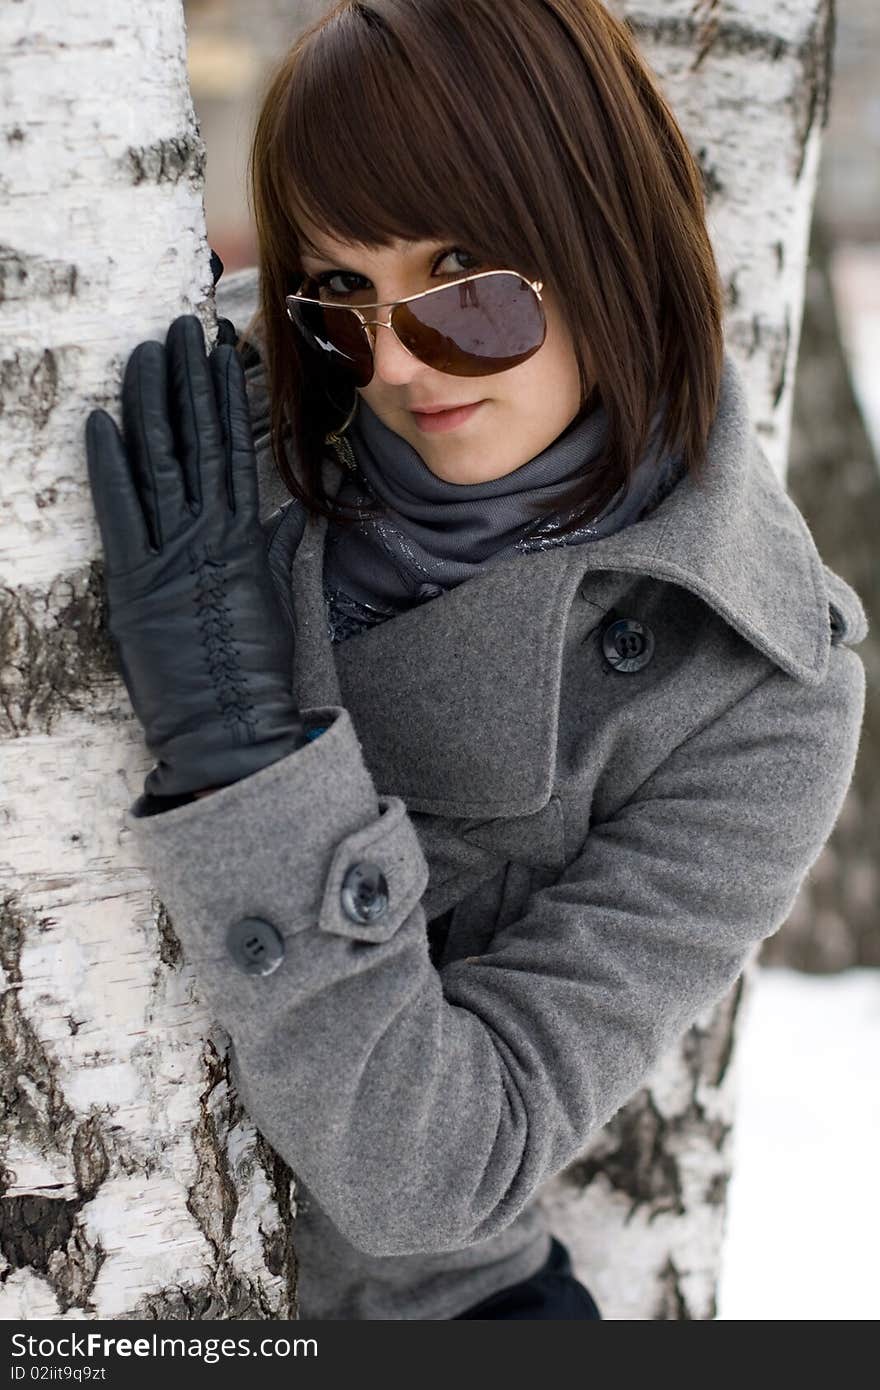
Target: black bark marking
{"type": "Point", "coordinates": [29, 386]}
{"type": "Point", "coordinates": [40, 1232]}
{"type": "Point", "coordinates": [24, 276]}
{"type": "Point", "coordinates": [633, 1157]}
{"type": "Point", "coordinates": [11, 938]}
{"type": "Point", "coordinates": [73, 1281]}
{"type": "Point", "coordinates": [225, 1296]}
{"type": "Point", "coordinates": [39, 1113]}
{"type": "Point", "coordinates": [731, 290]}
{"type": "Point", "coordinates": [672, 1305]}
{"type": "Point", "coordinates": [708, 1051]}
{"type": "Point", "coordinates": [812, 97]}
{"type": "Point", "coordinates": [170, 949]}
{"type": "Point", "coordinates": [712, 184]}
{"type": "Point", "coordinates": [279, 1249]}
{"type": "Point", "coordinates": [727, 37]}
{"type": "Point", "coordinates": [54, 650]}
{"type": "Point", "coordinates": [32, 1228]}
{"type": "Point", "coordinates": [775, 340]}
{"type": "Point", "coordinates": [167, 161]}
{"type": "Point", "coordinates": [778, 360]}
{"type": "Point", "coordinates": [213, 1198]}
{"type": "Point", "coordinates": [634, 1151]}
{"type": "Point", "coordinates": [716, 1190]}
{"type": "Point", "coordinates": [90, 1162]}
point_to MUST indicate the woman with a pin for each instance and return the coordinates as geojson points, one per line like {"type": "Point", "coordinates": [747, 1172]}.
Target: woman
{"type": "Point", "coordinates": [485, 763]}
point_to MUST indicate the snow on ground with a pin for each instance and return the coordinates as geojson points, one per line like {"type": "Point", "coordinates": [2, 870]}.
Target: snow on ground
{"type": "Point", "coordinates": [803, 1224]}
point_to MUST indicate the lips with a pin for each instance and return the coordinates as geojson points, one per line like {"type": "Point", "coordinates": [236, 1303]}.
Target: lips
{"type": "Point", "coordinates": [438, 420]}
{"type": "Point", "coordinates": [436, 409]}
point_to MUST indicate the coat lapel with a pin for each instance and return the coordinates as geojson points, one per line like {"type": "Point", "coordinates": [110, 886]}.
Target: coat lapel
{"type": "Point", "coordinates": [456, 702]}
{"type": "Point", "coordinates": [738, 541]}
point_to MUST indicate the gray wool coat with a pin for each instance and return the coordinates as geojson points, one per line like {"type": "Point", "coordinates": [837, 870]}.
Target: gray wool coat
{"type": "Point", "coordinates": [604, 770]}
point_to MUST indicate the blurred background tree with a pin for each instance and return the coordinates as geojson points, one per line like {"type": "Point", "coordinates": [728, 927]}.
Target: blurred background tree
{"type": "Point", "coordinates": [833, 476]}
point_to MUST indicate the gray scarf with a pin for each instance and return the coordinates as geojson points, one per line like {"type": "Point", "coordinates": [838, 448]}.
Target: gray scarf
{"type": "Point", "coordinates": [435, 534]}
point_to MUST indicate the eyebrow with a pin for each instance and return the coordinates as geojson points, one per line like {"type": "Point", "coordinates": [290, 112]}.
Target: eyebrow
{"type": "Point", "coordinates": [320, 254]}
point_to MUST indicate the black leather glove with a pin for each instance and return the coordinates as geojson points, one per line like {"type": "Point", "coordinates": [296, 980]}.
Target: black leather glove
{"type": "Point", "coordinates": [203, 644]}
{"type": "Point", "coordinates": [226, 330]}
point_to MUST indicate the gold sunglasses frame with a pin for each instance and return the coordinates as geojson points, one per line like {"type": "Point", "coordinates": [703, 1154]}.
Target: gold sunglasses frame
{"type": "Point", "coordinates": [391, 305]}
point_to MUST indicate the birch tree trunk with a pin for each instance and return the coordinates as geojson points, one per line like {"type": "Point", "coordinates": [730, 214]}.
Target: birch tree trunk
{"type": "Point", "coordinates": [132, 1183]}
{"type": "Point", "coordinates": [834, 479]}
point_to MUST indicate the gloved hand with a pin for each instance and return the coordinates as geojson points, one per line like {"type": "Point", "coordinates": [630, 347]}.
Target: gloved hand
{"type": "Point", "coordinates": [203, 644]}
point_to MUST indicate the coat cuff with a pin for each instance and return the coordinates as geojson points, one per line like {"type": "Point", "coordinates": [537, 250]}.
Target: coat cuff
{"type": "Point", "coordinates": [220, 859]}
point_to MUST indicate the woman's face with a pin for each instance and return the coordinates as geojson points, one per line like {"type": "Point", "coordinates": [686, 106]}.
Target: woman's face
{"type": "Point", "coordinates": [523, 409]}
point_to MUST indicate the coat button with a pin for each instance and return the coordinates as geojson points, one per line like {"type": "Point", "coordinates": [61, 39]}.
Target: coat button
{"type": "Point", "coordinates": [364, 892]}
{"type": "Point", "coordinates": [255, 945]}
{"type": "Point", "coordinates": [627, 645]}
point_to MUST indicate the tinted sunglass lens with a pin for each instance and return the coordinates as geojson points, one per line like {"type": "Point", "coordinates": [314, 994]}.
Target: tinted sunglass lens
{"type": "Point", "coordinates": [339, 335]}
{"type": "Point", "coordinates": [475, 328]}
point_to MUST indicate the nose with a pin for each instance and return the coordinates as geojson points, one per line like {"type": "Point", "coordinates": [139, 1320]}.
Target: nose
{"type": "Point", "coordinates": [392, 362]}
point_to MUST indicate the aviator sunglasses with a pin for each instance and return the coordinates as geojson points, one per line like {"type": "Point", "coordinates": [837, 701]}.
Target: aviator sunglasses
{"type": "Point", "coordinates": [474, 326]}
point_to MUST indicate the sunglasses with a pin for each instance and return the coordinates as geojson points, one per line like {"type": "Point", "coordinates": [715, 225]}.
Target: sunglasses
{"type": "Point", "coordinates": [481, 324]}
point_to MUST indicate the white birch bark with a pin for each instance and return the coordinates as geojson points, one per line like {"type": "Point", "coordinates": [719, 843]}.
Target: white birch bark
{"type": "Point", "coordinates": [133, 1185]}
{"type": "Point", "coordinates": [140, 1187]}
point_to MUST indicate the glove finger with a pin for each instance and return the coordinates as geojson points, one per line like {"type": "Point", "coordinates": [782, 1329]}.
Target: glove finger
{"type": "Point", "coordinates": [151, 445]}
{"type": "Point", "coordinates": [121, 520]}
{"type": "Point", "coordinates": [195, 417]}
{"type": "Point", "coordinates": [226, 332]}
{"type": "Point", "coordinates": [235, 421]}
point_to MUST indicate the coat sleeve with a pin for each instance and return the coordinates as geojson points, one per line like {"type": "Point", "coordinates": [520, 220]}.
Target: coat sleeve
{"type": "Point", "coordinates": [423, 1108]}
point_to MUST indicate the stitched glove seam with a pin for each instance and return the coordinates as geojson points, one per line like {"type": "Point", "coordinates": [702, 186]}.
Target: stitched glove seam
{"type": "Point", "coordinates": [215, 624]}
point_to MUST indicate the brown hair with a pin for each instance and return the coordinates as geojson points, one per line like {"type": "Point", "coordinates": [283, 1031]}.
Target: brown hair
{"type": "Point", "coordinates": [534, 134]}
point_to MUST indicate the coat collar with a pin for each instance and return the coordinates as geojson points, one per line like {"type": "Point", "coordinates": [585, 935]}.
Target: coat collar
{"type": "Point", "coordinates": [455, 734]}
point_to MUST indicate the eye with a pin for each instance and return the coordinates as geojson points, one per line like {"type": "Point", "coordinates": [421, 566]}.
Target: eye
{"type": "Point", "coordinates": [344, 284]}
{"type": "Point", "coordinates": [328, 290]}
{"type": "Point", "coordinates": [471, 262]}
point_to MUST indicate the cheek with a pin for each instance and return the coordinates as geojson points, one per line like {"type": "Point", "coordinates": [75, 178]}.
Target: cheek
{"type": "Point", "coordinates": [558, 345]}
{"type": "Point", "coordinates": [548, 383]}
{"type": "Point", "coordinates": [557, 349]}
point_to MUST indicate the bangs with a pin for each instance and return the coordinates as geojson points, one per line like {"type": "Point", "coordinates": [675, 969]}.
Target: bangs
{"type": "Point", "coordinates": [408, 134]}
